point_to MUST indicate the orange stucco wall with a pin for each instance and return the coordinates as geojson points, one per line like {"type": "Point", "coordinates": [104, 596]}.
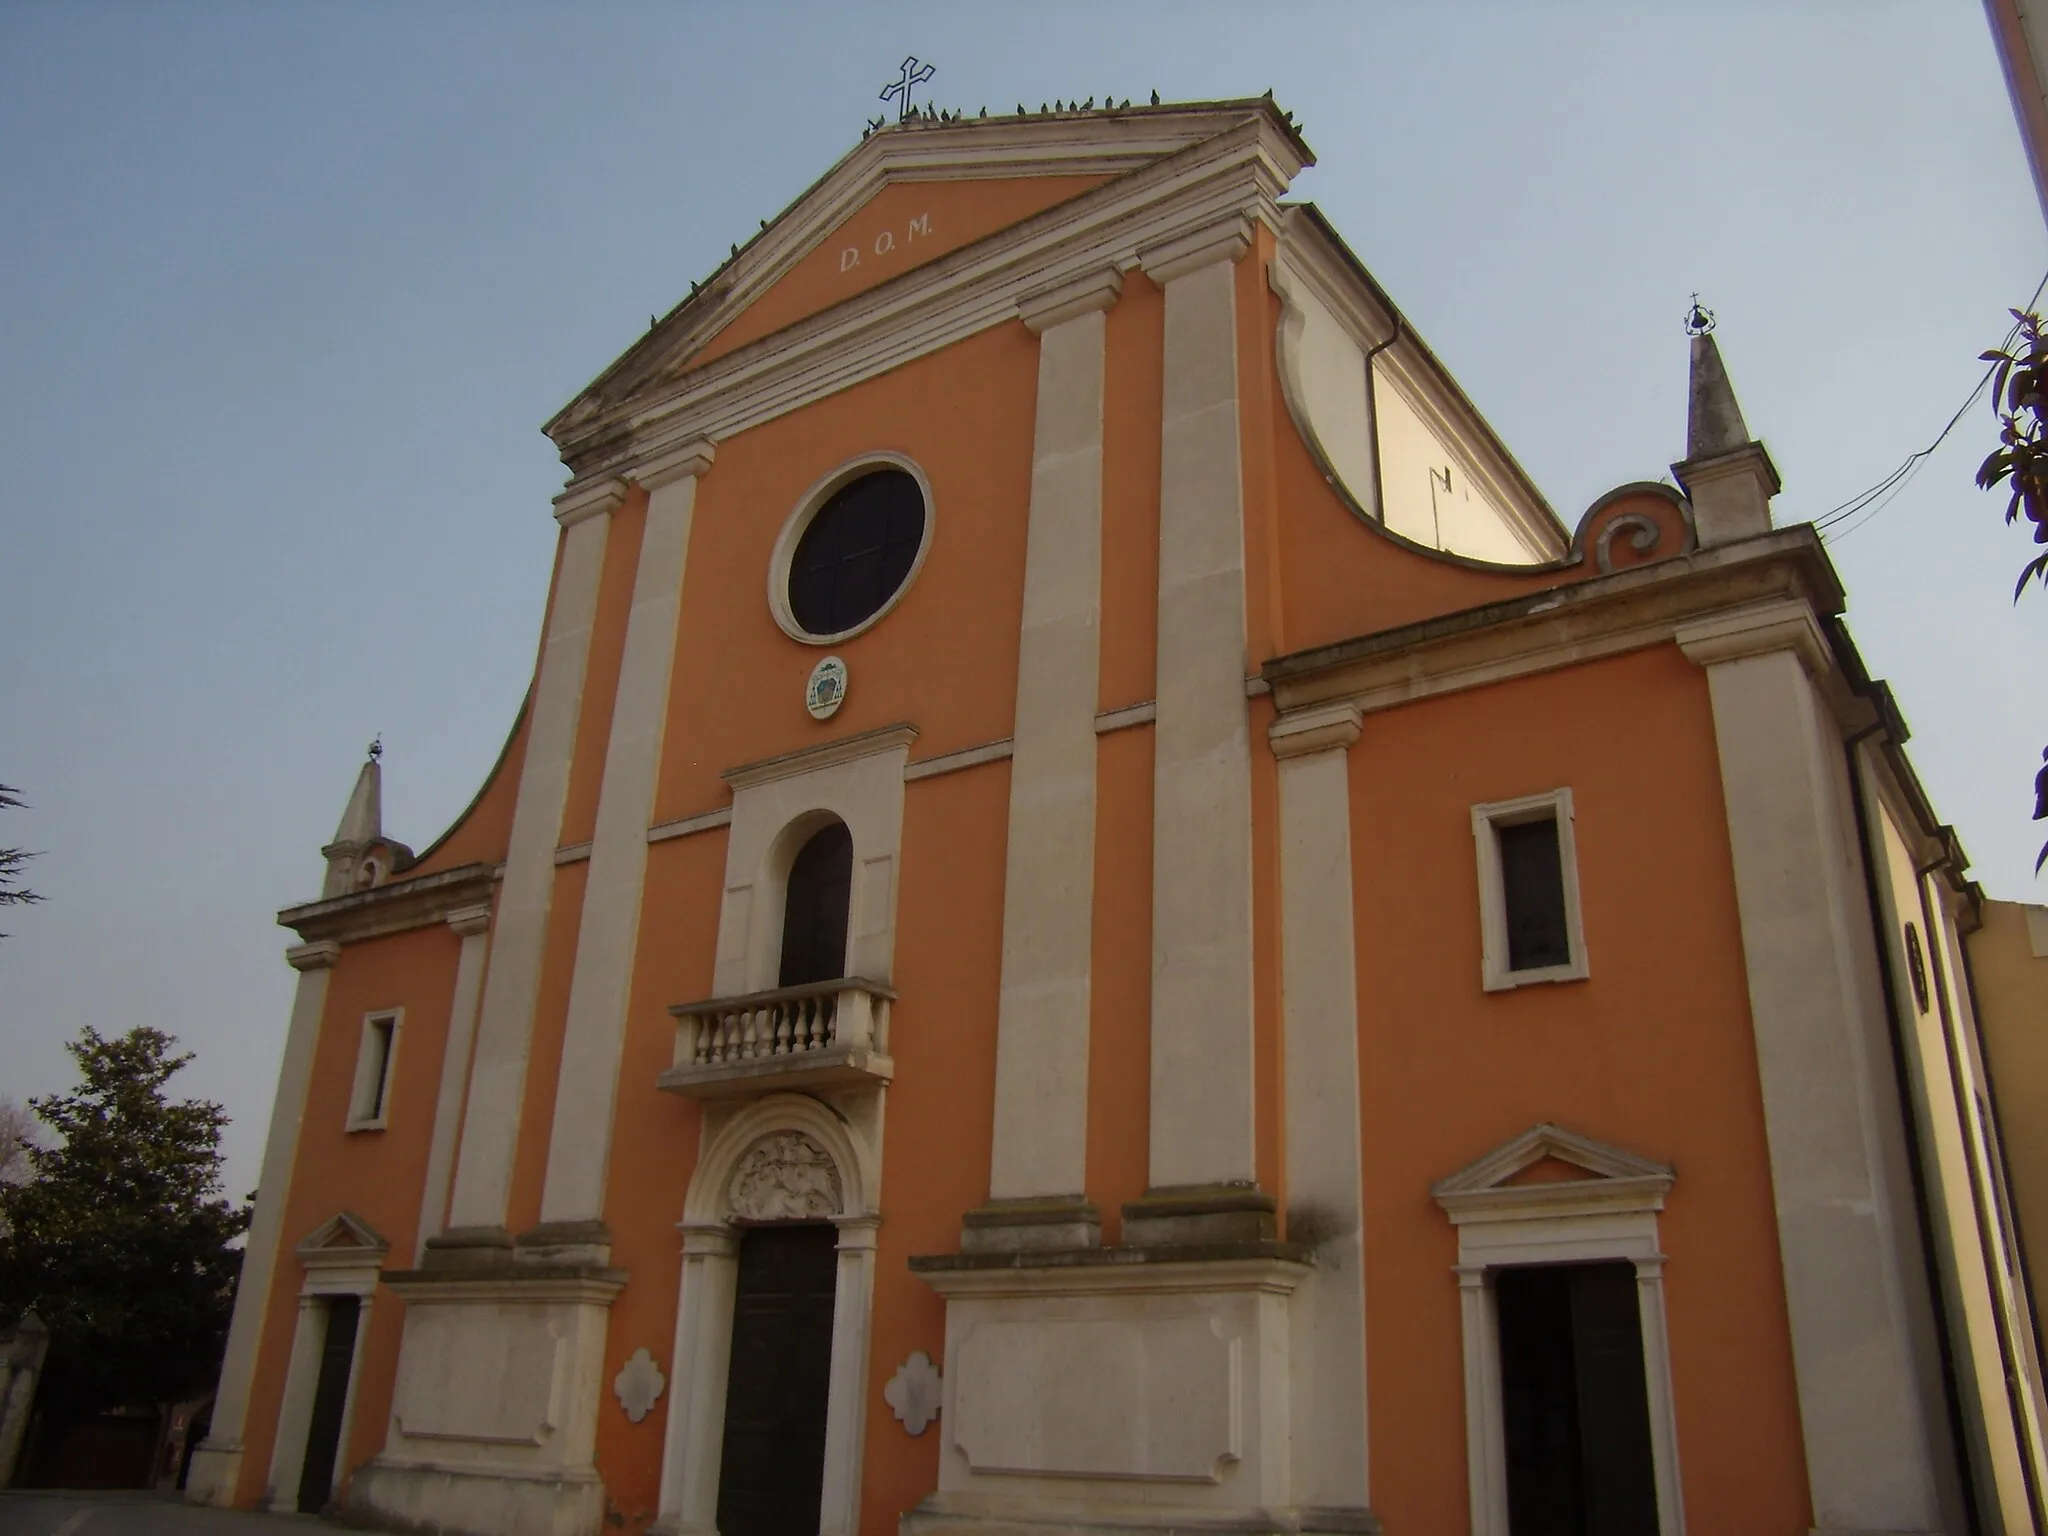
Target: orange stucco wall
{"type": "Point", "coordinates": [1653, 1052]}
{"type": "Point", "coordinates": [946, 657]}
{"type": "Point", "coordinates": [377, 1175]}
{"type": "Point", "coordinates": [900, 228]}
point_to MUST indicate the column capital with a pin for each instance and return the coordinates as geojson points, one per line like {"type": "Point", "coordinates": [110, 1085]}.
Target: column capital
{"type": "Point", "coordinates": [1783, 625]}
{"type": "Point", "coordinates": [712, 1238]}
{"type": "Point", "coordinates": [1226, 240]}
{"type": "Point", "coordinates": [1044, 308]}
{"type": "Point", "coordinates": [317, 956]}
{"type": "Point", "coordinates": [1320, 728]}
{"type": "Point", "coordinates": [468, 921]}
{"type": "Point", "coordinates": [669, 462]}
{"type": "Point", "coordinates": [588, 498]}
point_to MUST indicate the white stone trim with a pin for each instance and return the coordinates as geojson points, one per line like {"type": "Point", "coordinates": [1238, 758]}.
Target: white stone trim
{"type": "Point", "coordinates": [703, 1342]}
{"type": "Point", "coordinates": [369, 1095]}
{"type": "Point", "coordinates": [1323, 1128]}
{"type": "Point", "coordinates": [1202, 1070]}
{"type": "Point", "coordinates": [608, 933]}
{"type": "Point", "coordinates": [687, 826]}
{"type": "Point", "coordinates": [343, 1256]}
{"type": "Point", "coordinates": [573, 853]}
{"type": "Point", "coordinates": [1039, 1141]}
{"type": "Point", "coordinates": [1241, 170]}
{"type": "Point", "coordinates": [1487, 820]}
{"type": "Point", "coordinates": [808, 506]}
{"type": "Point", "coordinates": [777, 805]}
{"type": "Point", "coordinates": [1125, 716]}
{"type": "Point", "coordinates": [1611, 1216]}
{"type": "Point", "coordinates": [953, 762]}
{"type": "Point", "coordinates": [497, 1081]}
{"type": "Point", "coordinates": [217, 1464]}
{"type": "Point", "coordinates": [473, 925]}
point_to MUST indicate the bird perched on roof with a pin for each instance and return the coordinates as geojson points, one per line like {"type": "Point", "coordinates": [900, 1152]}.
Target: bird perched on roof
{"type": "Point", "coordinates": [1155, 98]}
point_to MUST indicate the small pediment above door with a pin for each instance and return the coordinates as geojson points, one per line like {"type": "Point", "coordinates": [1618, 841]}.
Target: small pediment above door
{"type": "Point", "coordinates": [1547, 1172]}
{"type": "Point", "coordinates": [344, 1236]}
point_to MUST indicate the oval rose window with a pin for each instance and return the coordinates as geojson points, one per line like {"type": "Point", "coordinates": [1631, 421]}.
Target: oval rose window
{"type": "Point", "coordinates": [856, 553]}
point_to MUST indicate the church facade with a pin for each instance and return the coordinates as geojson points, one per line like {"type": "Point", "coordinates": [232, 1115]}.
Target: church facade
{"type": "Point", "coordinates": [1098, 919]}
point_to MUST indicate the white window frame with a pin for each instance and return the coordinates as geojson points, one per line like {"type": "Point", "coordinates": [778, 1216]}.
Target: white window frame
{"type": "Point", "coordinates": [368, 1078]}
{"type": "Point", "coordinates": [1487, 820]}
{"type": "Point", "coordinates": [1610, 1215]}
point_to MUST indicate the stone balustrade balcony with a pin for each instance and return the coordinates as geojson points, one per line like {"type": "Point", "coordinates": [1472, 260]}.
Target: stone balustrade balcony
{"type": "Point", "coordinates": [820, 1034]}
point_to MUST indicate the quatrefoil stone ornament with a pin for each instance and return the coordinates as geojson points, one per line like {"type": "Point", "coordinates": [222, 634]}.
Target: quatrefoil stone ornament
{"type": "Point", "coordinates": [638, 1385]}
{"type": "Point", "coordinates": [913, 1392]}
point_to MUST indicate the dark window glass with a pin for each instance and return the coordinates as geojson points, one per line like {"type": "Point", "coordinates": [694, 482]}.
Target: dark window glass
{"type": "Point", "coordinates": [1532, 885]}
{"type": "Point", "coordinates": [1574, 1409]}
{"type": "Point", "coordinates": [814, 911]}
{"type": "Point", "coordinates": [856, 552]}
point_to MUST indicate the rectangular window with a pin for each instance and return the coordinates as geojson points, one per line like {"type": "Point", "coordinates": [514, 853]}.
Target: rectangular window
{"type": "Point", "coordinates": [374, 1057]}
{"type": "Point", "coordinates": [1528, 891]}
{"type": "Point", "coordinates": [1574, 1402]}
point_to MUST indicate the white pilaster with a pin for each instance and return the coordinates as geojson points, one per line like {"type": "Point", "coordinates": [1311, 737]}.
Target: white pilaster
{"type": "Point", "coordinates": [1325, 1183]}
{"type": "Point", "coordinates": [1041, 1103]}
{"type": "Point", "coordinates": [1798, 886]}
{"type": "Point", "coordinates": [217, 1465]}
{"type": "Point", "coordinates": [703, 1352]}
{"type": "Point", "coordinates": [579, 1147]}
{"type": "Point", "coordinates": [1201, 1123]}
{"type": "Point", "coordinates": [497, 1079]}
{"type": "Point", "coordinates": [846, 1402]}
{"type": "Point", "coordinates": [473, 924]}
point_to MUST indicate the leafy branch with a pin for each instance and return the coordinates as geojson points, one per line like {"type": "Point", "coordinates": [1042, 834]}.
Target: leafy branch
{"type": "Point", "coordinates": [2019, 398]}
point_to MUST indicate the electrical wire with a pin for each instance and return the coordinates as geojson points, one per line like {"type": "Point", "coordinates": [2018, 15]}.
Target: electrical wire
{"type": "Point", "coordinates": [1859, 509]}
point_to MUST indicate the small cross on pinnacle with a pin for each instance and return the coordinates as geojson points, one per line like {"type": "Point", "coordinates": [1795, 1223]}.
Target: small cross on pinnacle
{"type": "Point", "coordinates": [1698, 321]}
{"type": "Point", "coordinates": [377, 748]}
{"type": "Point", "coordinates": [911, 75]}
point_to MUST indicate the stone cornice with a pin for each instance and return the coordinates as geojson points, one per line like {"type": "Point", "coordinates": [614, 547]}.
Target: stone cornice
{"type": "Point", "coordinates": [1319, 728]}
{"type": "Point", "coordinates": [890, 738]}
{"type": "Point", "coordinates": [395, 907]}
{"type": "Point", "coordinates": [1561, 626]}
{"type": "Point", "coordinates": [1235, 172]}
{"type": "Point", "coordinates": [1045, 308]}
{"type": "Point", "coordinates": [585, 498]}
{"type": "Point", "coordinates": [666, 465]}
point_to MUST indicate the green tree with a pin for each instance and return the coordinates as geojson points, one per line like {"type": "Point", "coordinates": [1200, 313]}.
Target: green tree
{"type": "Point", "coordinates": [2019, 398]}
{"type": "Point", "coordinates": [12, 892]}
{"type": "Point", "coordinates": [120, 1237]}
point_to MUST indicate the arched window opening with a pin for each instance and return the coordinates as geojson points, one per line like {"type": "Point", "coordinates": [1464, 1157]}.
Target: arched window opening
{"type": "Point", "coordinates": [814, 910]}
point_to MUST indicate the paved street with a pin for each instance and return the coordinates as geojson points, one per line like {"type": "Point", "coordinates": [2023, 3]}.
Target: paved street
{"type": "Point", "coordinates": [136, 1514]}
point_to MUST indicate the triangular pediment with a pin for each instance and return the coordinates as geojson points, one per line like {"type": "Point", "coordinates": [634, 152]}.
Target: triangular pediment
{"type": "Point", "coordinates": [906, 196]}
{"type": "Point", "coordinates": [343, 1233]}
{"type": "Point", "coordinates": [1546, 1166]}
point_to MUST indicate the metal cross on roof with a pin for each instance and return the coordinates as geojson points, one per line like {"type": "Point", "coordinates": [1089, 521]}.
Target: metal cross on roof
{"type": "Point", "coordinates": [912, 75]}
{"type": "Point", "coordinates": [1698, 320]}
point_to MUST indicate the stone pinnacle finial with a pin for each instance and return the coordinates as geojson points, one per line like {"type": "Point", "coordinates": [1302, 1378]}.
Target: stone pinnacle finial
{"type": "Point", "coordinates": [1726, 474]}
{"type": "Point", "coordinates": [363, 821]}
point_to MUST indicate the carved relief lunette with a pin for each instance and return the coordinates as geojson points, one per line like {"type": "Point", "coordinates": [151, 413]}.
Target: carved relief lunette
{"type": "Point", "coordinates": [784, 1177]}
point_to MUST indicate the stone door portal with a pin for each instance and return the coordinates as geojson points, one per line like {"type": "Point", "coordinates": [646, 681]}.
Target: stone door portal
{"type": "Point", "coordinates": [330, 1396]}
{"type": "Point", "coordinates": [772, 1467]}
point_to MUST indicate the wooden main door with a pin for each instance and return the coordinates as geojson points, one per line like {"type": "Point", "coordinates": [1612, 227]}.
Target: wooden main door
{"type": "Point", "coordinates": [330, 1395]}
{"type": "Point", "coordinates": [772, 1469]}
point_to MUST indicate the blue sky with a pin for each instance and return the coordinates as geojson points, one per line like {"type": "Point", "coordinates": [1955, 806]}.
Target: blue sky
{"type": "Point", "coordinates": [286, 291]}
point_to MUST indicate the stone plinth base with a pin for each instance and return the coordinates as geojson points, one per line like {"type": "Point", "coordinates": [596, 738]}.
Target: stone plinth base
{"type": "Point", "coordinates": [476, 1500]}
{"type": "Point", "coordinates": [215, 1471]}
{"type": "Point", "coordinates": [965, 1515]}
{"type": "Point", "coordinates": [1120, 1388]}
{"type": "Point", "coordinates": [494, 1412]}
